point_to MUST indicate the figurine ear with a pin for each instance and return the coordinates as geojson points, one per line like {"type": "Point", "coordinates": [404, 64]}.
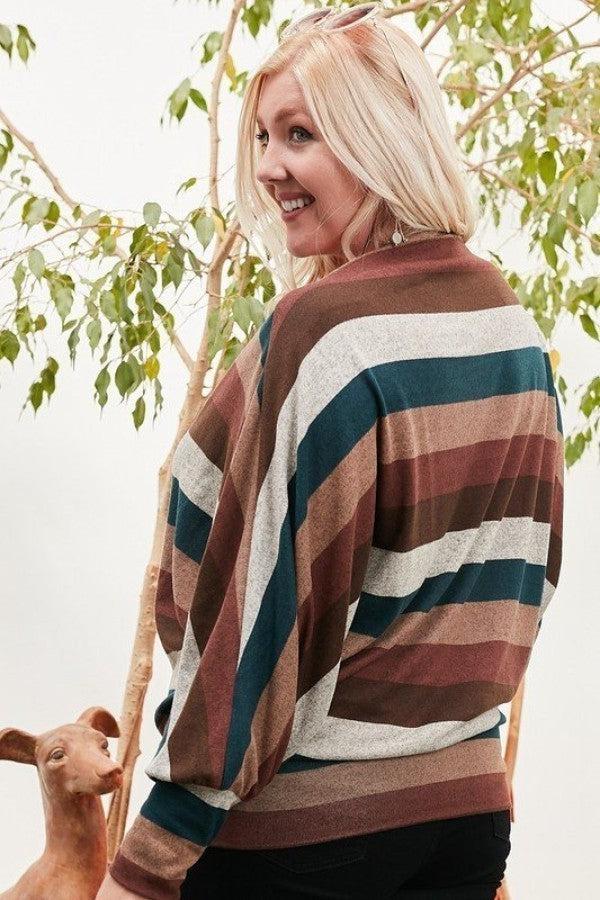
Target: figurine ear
{"type": "Point", "coordinates": [100, 718]}
{"type": "Point", "coordinates": [17, 745]}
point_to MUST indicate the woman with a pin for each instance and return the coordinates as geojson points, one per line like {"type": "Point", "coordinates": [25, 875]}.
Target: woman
{"type": "Point", "coordinates": [365, 518]}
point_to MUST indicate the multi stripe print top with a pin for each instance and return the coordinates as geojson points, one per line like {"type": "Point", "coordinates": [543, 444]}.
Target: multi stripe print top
{"type": "Point", "coordinates": [365, 528]}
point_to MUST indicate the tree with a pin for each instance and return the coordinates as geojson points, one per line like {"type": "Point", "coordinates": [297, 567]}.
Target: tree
{"type": "Point", "coordinates": [523, 96]}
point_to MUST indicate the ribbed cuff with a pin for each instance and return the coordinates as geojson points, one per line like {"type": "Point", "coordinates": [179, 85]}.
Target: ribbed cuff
{"type": "Point", "coordinates": [141, 882]}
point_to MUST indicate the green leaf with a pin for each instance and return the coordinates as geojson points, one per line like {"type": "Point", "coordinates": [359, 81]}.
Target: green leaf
{"type": "Point", "coordinates": [158, 398]}
{"type": "Point", "coordinates": [154, 341]}
{"type": "Point", "coordinates": [109, 244]}
{"type": "Point", "coordinates": [101, 384]}
{"type": "Point", "coordinates": [35, 211]}
{"type": "Point", "coordinates": [63, 300]}
{"type": "Point", "coordinates": [186, 185]}
{"type": "Point", "coordinates": [94, 333]}
{"type": "Point", "coordinates": [19, 277]}
{"type": "Point", "coordinates": [152, 367]}
{"type": "Point", "coordinates": [136, 371]}
{"type": "Point", "coordinates": [549, 251]}
{"type": "Point", "coordinates": [23, 47]}
{"type": "Point", "coordinates": [123, 378]}
{"type": "Point", "coordinates": [36, 394]}
{"type": "Point", "coordinates": [556, 228]}
{"type": "Point", "coordinates": [151, 213]}
{"type": "Point", "coordinates": [179, 98]}
{"type": "Point", "coordinates": [211, 45]}
{"type": "Point", "coordinates": [547, 167]}
{"type": "Point", "coordinates": [139, 412]}
{"type": "Point", "coordinates": [241, 313]}
{"type": "Point", "coordinates": [23, 320]}
{"type": "Point", "coordinates": [92, 218]}
{"type": "Point", "coordinates": [6, 41]}
{"type": "Point", "coordinates": [587, 199]}
{"type": "Point", "coordinates": [35, 259]}
{"type": "Point", "coordinates": [174, 267]}
{"type": "Point", "coordinates": [137, 238]}
{"type": "Point", "coordinates": [197, 98]}
{"type": "Point", "coordinates": [9, 345]}
{"type": "Point", "coordinates": [108, 306]}
{"type": "Point", "coordinates": [47, 378]}
{"type": "Point", "coordinates": [51, 217]}
{"type": "Point", "coordinates": [589, 326]}
{"type": "Point", "coordinates": [205, 229]}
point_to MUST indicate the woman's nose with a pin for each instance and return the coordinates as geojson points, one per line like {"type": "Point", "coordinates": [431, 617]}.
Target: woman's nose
{"type": "Point", "coordinates": [270, 168]}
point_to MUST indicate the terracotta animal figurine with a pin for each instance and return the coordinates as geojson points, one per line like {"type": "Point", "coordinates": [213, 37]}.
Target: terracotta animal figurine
{"type": "Point", "coordinates": [74, 768]}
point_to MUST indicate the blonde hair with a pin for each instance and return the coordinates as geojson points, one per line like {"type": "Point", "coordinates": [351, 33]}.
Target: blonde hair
{"type": "Point", "coordinates": [359, 99]}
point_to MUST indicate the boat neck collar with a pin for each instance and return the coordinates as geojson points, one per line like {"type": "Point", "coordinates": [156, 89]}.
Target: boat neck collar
{"type": "Point", "coordinates": [436, 247]}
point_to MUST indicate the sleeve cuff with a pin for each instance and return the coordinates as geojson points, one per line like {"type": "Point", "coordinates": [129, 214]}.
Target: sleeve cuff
{"type": "Point", "coordinates": [152, 861]}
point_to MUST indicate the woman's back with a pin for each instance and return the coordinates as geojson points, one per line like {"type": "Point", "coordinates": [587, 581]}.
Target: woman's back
{"type": "Point", "coordinates": [364, 529]}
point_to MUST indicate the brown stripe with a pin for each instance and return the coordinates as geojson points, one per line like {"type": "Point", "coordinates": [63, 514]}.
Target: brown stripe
{"type": "Point", "coordinates": [412, 705]}
{"type": "Point", "coordinates": [463, 797]}
{"type": "Point", "coordinates": [157, 851]}
{"type": "Point", "coordinates": [439, 665]}
{"type": "Point", "coordinates": [406, 527]}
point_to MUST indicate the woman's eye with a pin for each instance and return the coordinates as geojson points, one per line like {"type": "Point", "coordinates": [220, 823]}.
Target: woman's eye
{"type": "Point", "coordinates": [303, 130]}
{"type": "Point", "coordinates": [262, 134]}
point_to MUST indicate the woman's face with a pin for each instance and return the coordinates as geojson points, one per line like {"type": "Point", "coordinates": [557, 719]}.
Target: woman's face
{"type": "Point", "coordinates": [294, 160]}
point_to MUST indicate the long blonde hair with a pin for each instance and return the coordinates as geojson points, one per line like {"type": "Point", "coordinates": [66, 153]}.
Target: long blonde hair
{"type": "Point", "coordinates": [387, 127]}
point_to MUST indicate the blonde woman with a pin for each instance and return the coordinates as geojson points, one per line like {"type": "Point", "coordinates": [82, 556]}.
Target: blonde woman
{"type": "Point", "coordinates": [365, 519]}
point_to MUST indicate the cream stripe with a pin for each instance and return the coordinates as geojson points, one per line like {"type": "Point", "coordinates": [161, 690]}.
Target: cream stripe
{"type": "Point", "coordinates": [351, 739]}
{"type": "Point", "coordinates": [198, 477]}
{"type": "Point", "coordinates": [393, 573]}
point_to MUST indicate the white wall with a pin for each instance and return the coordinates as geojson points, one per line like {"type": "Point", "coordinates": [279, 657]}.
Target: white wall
{"type": "Point", "coordinates": [78, 490]}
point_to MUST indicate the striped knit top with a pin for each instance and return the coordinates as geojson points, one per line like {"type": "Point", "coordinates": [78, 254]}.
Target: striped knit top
{"type": "Point", "coordinates": [364, 531]}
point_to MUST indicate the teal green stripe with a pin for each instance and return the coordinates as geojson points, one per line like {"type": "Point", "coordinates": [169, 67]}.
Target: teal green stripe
{"type": "Point", "coordinates": [192, 525]}
{"type": "Point", "coordinates": [495, 579]}
{"type": "Point", "coordinates": [180, 812]}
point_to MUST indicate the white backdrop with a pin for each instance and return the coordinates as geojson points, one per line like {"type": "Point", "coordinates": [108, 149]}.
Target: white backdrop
{"type": "Point", "coordinates": [78, 489]}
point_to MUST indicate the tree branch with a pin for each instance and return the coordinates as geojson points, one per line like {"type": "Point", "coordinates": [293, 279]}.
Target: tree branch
{"type": "Point", "coordinates": [213, 105]}
{"type": "Point", "coordinates": [442, 21]}
{"type": "Point", "coordinates": [60, 192]}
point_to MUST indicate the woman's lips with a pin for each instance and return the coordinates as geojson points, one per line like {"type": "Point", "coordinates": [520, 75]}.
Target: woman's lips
{"type": "Point", "coordinates": [294, 213]}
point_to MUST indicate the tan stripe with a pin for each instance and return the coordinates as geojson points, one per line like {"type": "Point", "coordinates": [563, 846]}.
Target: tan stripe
{"type": "Point", "coordinates": [271, 717]}
{"type": "Point", "coordinates": [184, 579]}
{"type": "Point", "coordinates": [333, 505]}
{"type": "Point", "coordinates": [455, 623]}
{"type": "Point", "coordinates": [362, 778]}
{"type": "Point", "coordinates": [446, 426]}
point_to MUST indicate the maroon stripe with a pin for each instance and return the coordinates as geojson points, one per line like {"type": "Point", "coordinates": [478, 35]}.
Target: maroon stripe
{"type": "Point", "coordinates": [364, 815]}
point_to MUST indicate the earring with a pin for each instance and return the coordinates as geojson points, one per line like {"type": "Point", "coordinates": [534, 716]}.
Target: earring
{"type": "Point", "coordinates": [398, 235]}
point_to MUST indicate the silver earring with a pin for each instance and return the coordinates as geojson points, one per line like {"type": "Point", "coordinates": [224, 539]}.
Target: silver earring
{"type": "Point", "coordinates": [398, 235]}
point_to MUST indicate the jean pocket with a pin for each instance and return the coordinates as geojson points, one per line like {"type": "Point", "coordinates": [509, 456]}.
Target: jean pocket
{"type": "Point", "coordinates": [315, 857]}
{"type": "Point", "coordinates": [501, 824]}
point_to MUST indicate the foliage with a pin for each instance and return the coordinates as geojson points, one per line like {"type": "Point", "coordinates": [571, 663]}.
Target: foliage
{"type": "Point", "coordinates": [525, 96]}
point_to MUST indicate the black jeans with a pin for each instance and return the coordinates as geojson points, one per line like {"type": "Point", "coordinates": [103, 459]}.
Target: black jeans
{"type": "Point", "coordinates": [455, 859]}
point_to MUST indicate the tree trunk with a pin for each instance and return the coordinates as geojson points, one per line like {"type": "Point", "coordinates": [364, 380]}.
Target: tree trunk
{"type": "Point", "coordinates": [140, 669]}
